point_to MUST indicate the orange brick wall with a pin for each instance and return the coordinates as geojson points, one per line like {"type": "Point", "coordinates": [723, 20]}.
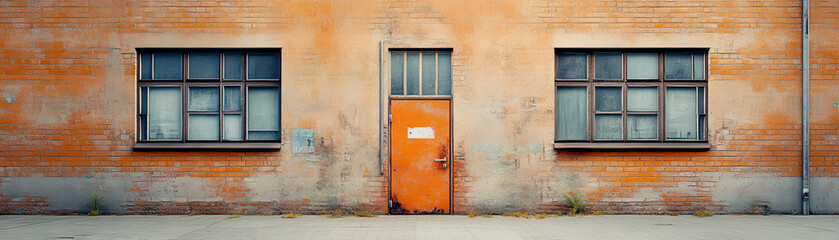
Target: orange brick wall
{"type": "Point", "coordinates": [67, 100]}
{"type": "Point", "coordinates": [824, 97]}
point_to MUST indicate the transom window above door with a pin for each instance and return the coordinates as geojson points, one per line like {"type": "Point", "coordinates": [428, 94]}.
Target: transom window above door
{"type": "Point", "coordinates": [208, 95]}
{"type": "Point", "coordinates": [415, 73]}
{"type": "Point", "coordinates": [627, 98]}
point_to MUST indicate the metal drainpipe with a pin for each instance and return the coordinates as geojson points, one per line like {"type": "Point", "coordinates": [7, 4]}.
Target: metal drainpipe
{"type": "Point", "coordinates": [381, 125]}
{"type": "Point", "coordinates": [805, 107]}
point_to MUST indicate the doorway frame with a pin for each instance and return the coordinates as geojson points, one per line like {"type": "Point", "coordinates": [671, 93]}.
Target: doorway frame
{"type": "Point", "coordinates": [390, 146]}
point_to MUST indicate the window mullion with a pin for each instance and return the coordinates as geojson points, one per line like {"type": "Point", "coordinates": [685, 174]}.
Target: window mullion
{"type": "Point", "coordinates": [590, 93]}
{"type": "Point", "coordinates": [661, 104]}
{"type": "Point", "coordinates": [420, 70]}
{"type": "Point", "coordinates": [184, 99]}
{"type": "Point", "coordinates": [221, 97]}
{"type": "Point", "coordinates": [244, 97]}
{"type": "Point", "coordinates": [624, 104]}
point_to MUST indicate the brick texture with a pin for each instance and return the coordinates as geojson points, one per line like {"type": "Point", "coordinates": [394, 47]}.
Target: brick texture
{"type": "Point", "coordinates": [67, 83]}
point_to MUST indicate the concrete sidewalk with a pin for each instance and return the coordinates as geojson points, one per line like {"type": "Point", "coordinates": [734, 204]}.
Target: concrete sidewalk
{"type": "Point", "coordinates": [419, 227]}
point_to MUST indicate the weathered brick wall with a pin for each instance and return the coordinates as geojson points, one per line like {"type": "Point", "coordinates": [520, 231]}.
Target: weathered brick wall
{"type": "Point", "coordinates": [67, 82]}
{"type": "Point", "coordinates": [754, 85]}
{"type": "Point", "coordinates": [824, 96]}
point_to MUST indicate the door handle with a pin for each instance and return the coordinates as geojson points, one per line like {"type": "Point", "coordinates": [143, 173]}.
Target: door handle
{"type": "Point", "coordinates": [444, 160]}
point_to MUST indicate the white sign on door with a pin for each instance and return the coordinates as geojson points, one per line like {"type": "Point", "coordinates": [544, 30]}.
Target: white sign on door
{"type": "Point", "coordinates": [420, 133]}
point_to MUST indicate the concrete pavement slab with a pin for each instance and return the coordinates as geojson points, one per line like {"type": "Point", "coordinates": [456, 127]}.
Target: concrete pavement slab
{"type": "Point", "coordinates": [419, 227]}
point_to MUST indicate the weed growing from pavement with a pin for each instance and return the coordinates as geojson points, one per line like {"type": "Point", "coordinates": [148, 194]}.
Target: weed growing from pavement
{"type": "Point", "coordinates": [364, 213]}
{"type": "Point", "coordinates": [336, 214]}
{"type": "Point", "coordinates": [292, 215]}
{"type": "Point", "coordinates": [516, 214]}
{"type": "Point", "coordinates": [96, 205]}
{"type": "Point", "coordinates": [705, 213]}
{"type": "Point", "coordinates": [576, 203]}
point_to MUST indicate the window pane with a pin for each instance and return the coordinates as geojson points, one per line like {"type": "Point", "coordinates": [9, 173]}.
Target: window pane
{"type": "Point", "coordinates": [143, 122]}
{"type": "Point", "coordinates": [700, 100]}
{"type": "Point", "coordinates": [429, 74]}
{"type": "Point", "coordinates": [702, 122]}
{"type": "Point", "coordinates": [607, 66]}
{"type": "Point", "coordinates": [232, 66]}
{"type": "Point", "coordinates": [263, 66]}
{"type": "Point", "coordinates": [204, 65]}
{"type": "Point", "coordinates": [642, 126]}
{"type": "Point", "coordinates": [608, 126]}
{"type": "Point", "coordinates": [607, 99]}
{"type": "Point", "coordinates": [203, 99]}
{"type": "Point", "coordinates": [203, 127]}
{"type": "Point", "coordinates": [145, 66]}
{"type": "Point", "coordinates": [681, 113]}
{"type": "Point", "coordinates": [167, 66]}
{"type": "Point", "coordinates": [263, 135]}
{"type": "Point", "coordinates": [164, 113]}
{"type": "Point", "coordinates": [677, 66]}
{"type": "Point", "coordinates": [144, 95]}
{"type": "Point", "coordinates": [397, 63]}
{"type": "Point", "coordinates": [263, 113]}
{"type": "Point", "coordinates": [698, 66]}
{"type": "Point", "coordinates": [444, 74]}
{"type": "Point", "coordinates": [571, 113]}
{"type": "Point", "coordinates": [642, 99]}
{"type": "Point", "coordinates": [413, 74]}
{"type": "Point", "coordinates": [232, 98]}
{"type": "Point", "coordinates": [642, 66]}
{"type": "Point", "coordinates": [571, 66]}
{"type": "Point", "coordinates": [232, 127]}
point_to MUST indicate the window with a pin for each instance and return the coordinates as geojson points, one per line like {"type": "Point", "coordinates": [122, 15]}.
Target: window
{"type": "Point", "coordinates": [201, 95]}
{"type": "Point", "coordinates": [420, 73]}
{"type": "Point", "coordinates": [637, 98]}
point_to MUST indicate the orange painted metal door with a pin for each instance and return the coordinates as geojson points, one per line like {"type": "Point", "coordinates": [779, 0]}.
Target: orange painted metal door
{"type": "Point", "coordinates": [420, 160]}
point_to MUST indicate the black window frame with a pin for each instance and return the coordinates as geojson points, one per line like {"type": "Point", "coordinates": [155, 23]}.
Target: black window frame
{"type": "Point", "coordinates": [661, 83]}
{"type": "Point", "coordinates": [186, 82]}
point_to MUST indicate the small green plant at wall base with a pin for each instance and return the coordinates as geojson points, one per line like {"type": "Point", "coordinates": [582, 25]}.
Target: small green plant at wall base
{"type": "Point", "coordinates": [516, 214]}
{"type": "Point", "coordinates": [336, 214]}
{"type": "Point", "coordinates": [292, 215]}
{"type": "Point", "coordinates": [364, 213]}
{"type": "Point", "coordinates": [472, 214]}
{"type": "Point", "coordinates": [705, 213]}
{"type": "Point", "coordinates": [267, 213]}
{"type": "Point", "coordinates": [576, 203]}
{"type": "Point", "coordinates": [235, 213]}
{"type": "Point", "coordinates": [96, 205]}
{"type": "Point", "coordinates": [540, 216]}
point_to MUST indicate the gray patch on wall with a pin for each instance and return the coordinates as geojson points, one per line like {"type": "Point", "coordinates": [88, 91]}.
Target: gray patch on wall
{"type": "Point", "coordinates": [302, 141]}
{"type": "Point", "coordinates": [824, 197]}
{"type": "Point", "coordinates": [70, 193]}
{"type": "Point", "coordinates": [118, 95]}
{"type": "Point", "coordinates": [738, 192]}
{"type": "Point", "coordinates": [10, 92]}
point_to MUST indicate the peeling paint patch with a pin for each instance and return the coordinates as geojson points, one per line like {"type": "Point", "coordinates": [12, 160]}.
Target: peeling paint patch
{"type": "Point", "coordinates": [302, 141]}
{"type": "Point", "coordinates": [535, 147]}
{"type": "Point", "coordinates": [10, 99]}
